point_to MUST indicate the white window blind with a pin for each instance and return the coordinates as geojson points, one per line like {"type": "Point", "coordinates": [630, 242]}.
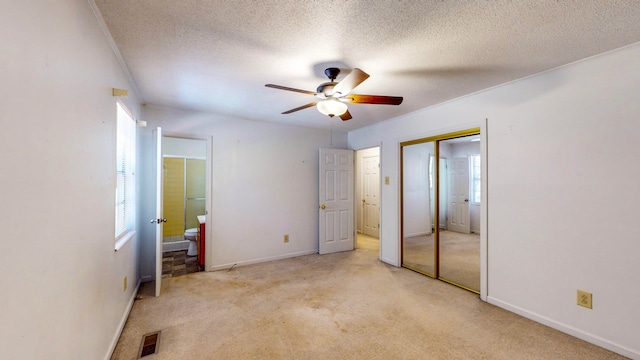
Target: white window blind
{"type": "Point", "coordinates": [125, 167]}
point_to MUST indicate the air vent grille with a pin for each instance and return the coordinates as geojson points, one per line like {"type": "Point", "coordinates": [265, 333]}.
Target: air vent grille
{"type": "Point", "coordinates": [149, 345]}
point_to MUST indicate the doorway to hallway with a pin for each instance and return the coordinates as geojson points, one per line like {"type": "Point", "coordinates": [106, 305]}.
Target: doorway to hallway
{"type": "Point", "coordinates": [368, 192]}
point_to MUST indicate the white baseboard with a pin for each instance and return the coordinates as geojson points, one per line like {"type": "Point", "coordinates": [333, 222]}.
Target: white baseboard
{"type": "Point", "coordinates": [123, 321]}
{"type": "Point", "coordinates": [580, 334]}
{"type": "Point", "coordinates": [261, 260]}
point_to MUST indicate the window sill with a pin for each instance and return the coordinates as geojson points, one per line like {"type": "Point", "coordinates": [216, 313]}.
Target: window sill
{"type": "Point", "coordinates": [124, 239]}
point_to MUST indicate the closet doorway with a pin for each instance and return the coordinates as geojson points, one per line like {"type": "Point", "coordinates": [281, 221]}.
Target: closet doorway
{"type": "Point", "coordinates": [440, 210]}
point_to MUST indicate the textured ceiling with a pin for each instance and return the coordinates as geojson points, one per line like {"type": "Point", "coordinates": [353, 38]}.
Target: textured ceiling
{"type": "Point", "coordinates": [217, 55]}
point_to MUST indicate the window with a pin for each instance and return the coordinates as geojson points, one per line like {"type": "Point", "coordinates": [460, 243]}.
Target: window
{"type": "Point", "coordinates": [475, 178]}
{"type": "Point", "coordinates": [125, 167]}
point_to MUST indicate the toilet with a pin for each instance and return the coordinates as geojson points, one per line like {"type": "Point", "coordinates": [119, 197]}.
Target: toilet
{"type": "Point", "coordinates": [191, 234]}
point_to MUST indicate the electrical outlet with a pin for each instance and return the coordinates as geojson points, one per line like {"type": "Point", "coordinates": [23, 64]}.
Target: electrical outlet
{"type": "Point", "coordinates": [585, 299]}
{"type": "Point", "coordinates": [124, 284]}
{"type": "Point", "coordinates": [286, 238]}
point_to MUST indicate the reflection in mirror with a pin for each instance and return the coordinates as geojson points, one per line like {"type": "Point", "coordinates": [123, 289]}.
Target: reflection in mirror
{"type": "Point", "coordinates": [459, 239]}
{"type": "Point", "coordinates": [418, 207]}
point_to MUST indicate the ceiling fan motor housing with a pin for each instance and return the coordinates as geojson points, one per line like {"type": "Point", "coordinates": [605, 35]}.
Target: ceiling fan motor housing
{"type": "Point", "coordinates": [326, 89]}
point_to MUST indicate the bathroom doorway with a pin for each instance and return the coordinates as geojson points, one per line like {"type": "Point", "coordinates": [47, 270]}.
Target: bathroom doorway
{"type": "Point", "coordinates": [184, 203]}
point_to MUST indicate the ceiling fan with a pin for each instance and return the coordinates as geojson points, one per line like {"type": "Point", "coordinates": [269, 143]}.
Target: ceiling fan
{"type": "Point", "coordinates": [334, 96]}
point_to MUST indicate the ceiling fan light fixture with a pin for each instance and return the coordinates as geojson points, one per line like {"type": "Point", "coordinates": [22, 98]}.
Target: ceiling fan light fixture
{"type": "Point", "coordinates": [333, 95]}
{"type": "Point", "coordinates": [332, 107]}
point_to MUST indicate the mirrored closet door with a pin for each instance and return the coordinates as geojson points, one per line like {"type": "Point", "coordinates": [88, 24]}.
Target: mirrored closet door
{"type": "Point", "coordinates": [418, 208]}
{"type": "Point", "coordinates": [441, 207]}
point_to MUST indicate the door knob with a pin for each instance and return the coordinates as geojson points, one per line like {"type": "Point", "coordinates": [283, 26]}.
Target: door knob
{"type": "Point", "coordinates": [323, 207]}
{"type": "Point", "coordinates": [158, 221]}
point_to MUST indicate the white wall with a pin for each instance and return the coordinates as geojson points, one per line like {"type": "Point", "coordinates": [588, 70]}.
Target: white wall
{"type": "Point", "coordinates": [180, 147]}
{"type": "Point", "coordinates": [464, 149]}
{"type": "Point", "coordinates": [264, 185]}
{"type": "Point", "coordinates": [559, 208]}
{"type": "Point", "coordinates": [62, 283]}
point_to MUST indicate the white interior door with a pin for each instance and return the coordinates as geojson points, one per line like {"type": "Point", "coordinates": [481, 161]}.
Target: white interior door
{"type": "Point", "coordinates": [159, 220]}
{"type": "Point", "coordinates": [371, 196]}
{"type": "Point", "coordinates": [458, 218]}
{"type": "Point", "coordinates": [336, 201]}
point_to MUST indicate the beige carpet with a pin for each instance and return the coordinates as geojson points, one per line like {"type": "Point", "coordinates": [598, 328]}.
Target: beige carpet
{"type": "Point", "coordinates": [340, 306]}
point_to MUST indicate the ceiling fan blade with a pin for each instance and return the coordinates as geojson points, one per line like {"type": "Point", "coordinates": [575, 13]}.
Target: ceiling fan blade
{"type": "Point", "coordinates": [289, 89]}
{"type": "Point", "coordinates": [355, 78]}
{"type": "Point", "coordinates": [346, 116]}
{"type": "Point", "coordinates": [300, 108]}
{"type": "Point", "coordinates": [372, 99]}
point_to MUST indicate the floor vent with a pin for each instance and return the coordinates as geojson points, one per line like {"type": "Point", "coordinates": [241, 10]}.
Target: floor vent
{"type": "Point", "coordinates": [149, 345]}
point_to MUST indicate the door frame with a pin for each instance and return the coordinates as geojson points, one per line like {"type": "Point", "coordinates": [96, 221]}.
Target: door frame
{"type": "Point", "coordinates": [359, 183]}
{"type": "Point", "coordinates": [159, 215]}
{"type": "Point", "coordinates": [380, 147]}
{"type": "Point", "coordinates": [208, 253]}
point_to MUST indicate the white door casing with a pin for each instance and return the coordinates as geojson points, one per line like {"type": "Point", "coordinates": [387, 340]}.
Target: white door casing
{"type": "Point", "coordinates": [336, 207]}
{"type": "Point", "coordinates": [159, 220]}
{"type": "Point", "coordinates": [371, 196]}
{"type": "Point", "coordinates": [458, 217]}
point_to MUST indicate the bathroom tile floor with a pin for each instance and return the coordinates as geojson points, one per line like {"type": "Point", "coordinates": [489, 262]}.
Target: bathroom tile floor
{"type": "Point", "coordinates": [177, 263]}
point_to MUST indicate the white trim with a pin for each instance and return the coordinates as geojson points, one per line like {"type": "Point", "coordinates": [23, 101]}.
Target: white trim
{"type": "Point", "coordinates": [208, 227]}
{"type": "Point", "coordinates": [484, 211]}
{"type": "Point", "coordinates": [380, 202]}
{"type": "Point", "coordinates": [124, 239]}
{"type": "Point", "coordinates": [262, 260]}
{"type": "Point", "coordinates": [583, 335]}
{"type": "Point", "coordinates": [123, 321]}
